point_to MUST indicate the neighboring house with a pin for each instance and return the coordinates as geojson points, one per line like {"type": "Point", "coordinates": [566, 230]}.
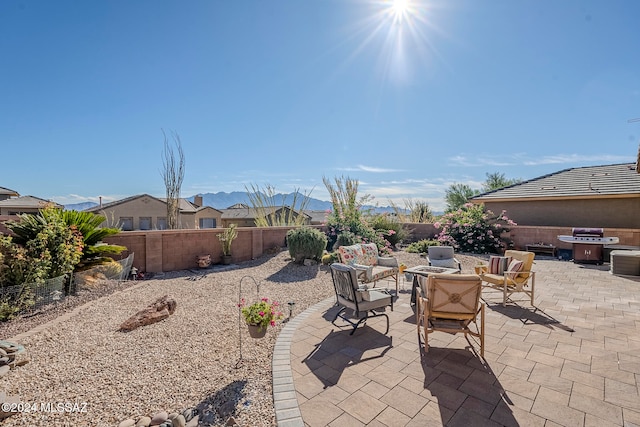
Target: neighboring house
{"type": "Point", "coordinates": [6, 193]}
{"type": "Point", "coordinates": [145, 212]}
{"type": "Point", "coordinates": [318, 217]}
{"type": "Point", "coordinates": [594, 196]}
{"type": "Point", "coordinates": [245, 216]}
{"type": "Point", "coordinates": [11, 203]}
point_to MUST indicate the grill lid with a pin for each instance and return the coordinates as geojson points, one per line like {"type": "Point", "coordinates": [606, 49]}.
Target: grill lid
{"type": "Point", "coordinates": [587, 232]}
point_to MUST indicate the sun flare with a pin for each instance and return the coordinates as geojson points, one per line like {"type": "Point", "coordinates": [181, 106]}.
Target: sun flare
{"type": "Point", "coordinates": [400, 7]}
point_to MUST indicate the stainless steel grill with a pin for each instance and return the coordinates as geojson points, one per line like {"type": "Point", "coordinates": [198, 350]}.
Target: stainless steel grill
{"type": "Point", "coordinates": [587, 245]}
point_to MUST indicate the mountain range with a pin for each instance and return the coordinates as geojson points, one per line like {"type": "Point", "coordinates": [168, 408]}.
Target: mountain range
{"type": "Point", "coordinates": [222, 200]}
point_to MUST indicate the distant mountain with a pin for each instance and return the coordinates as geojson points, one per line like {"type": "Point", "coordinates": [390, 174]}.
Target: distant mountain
{"type": "Point", "coordinates": [80, 206]}
{"type": "Point", "coordinates": [223, 200]}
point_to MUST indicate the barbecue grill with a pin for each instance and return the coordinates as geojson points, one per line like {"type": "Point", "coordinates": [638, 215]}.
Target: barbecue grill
{"type": "Point", "coordinates": [588, 244]}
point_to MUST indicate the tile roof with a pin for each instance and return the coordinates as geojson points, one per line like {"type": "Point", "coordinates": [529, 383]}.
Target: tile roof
{"type": "Point", "coordinates": [249, 213]}
{"type": "Point", "coordinates": [620, 180]}
{"type": "Point", "coordinates": [26, 202]}
{"type": "Point", "coordinates": [8, 192]}
{"type": "Point", "coordinates": [185, 205]}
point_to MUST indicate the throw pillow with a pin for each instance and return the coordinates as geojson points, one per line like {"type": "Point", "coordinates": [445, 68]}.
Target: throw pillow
{"type": "Point", "coordinates": [498, 264]}
{"type": "Point", "coordinates": [369, 253]}
{"type": "Point", "coordinates": [350, 254]}
{"type": "Point", "coordinates": [515, 267]}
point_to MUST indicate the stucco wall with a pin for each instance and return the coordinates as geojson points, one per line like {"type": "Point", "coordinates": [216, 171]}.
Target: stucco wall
{"type": "Point", "coordinates": [603, 213]}
{"type": "Point", "coordinates": [169, 250]}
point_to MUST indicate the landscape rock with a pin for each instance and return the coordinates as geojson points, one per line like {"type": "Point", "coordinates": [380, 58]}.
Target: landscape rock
{"type": "Point", "coordinates": [179, 421]}
{"type": "Point", "coordinates": [159, 418]}
{"type": "Point", "coordinates": [144, 422]}
{"type": "Point", "coordinates": [159, 310]}
{"type": "Point", "coordinates": [127, 423]}
{"type": "Point", "coordinates": [4, 370]}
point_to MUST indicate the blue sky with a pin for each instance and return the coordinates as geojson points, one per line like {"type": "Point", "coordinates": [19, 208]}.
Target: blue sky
{"type": "Point", "coordinates": [284, 92]}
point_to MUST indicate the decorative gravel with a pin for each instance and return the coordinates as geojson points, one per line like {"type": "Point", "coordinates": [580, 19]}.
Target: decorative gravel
{"type": "Point", "coordinates": [188, 360]}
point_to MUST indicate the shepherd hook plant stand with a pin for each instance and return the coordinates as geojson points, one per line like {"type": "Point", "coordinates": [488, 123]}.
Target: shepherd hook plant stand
{"type": "Point", "coordinates": [240, 360]}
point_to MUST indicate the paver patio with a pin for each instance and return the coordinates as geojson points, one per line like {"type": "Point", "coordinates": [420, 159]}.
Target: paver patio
{"type": "Point", "coordinates": [573, 361]}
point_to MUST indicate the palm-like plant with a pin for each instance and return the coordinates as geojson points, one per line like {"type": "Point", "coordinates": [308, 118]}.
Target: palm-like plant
{"type": "Point", "coordinates": [86, 223]}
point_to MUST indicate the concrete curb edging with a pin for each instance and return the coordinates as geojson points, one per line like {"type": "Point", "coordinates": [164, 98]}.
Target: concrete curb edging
{"type": "Point", "coordinates": [285, 402]}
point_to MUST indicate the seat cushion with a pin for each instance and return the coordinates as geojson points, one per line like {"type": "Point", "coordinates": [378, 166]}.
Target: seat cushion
{"type": "Point", "coordinates": [448, 263]}
{"type": "Point", "coordinates": [497, 279]}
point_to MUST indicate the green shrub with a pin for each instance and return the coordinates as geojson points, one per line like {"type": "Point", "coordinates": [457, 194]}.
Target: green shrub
{"type": "Point", "coordinates": [390, 228]}
{"type": "Point", "coordinates": [306, 242]}
{"type": "Point", "coordinates": [422, 246]}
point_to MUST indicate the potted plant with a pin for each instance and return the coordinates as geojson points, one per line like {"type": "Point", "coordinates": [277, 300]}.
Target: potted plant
{"type": "Point", "coordinates": [259, 315]}
{"type": "Point", "coordinates": [226, 238]}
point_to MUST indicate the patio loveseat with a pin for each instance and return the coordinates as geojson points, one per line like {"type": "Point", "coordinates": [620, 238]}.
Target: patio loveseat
{"type": "Point", "coordinates": [369, 265]}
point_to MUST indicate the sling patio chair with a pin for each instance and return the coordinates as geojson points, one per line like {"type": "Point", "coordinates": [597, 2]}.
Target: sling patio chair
{"type": "Point", "coordinates": [510, 274]}
{"type": "Point", "coordinates": [365, 303]}
{"type": "Point", "coordinates": [452, 304]}
{"type": "Point", "coordinates": [443, 256]}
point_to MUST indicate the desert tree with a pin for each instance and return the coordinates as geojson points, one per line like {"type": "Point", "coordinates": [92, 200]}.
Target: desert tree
{"type": "Point", "coordinates": [498, 180]}
{"type": "Point", "coordinates": [173, 175]}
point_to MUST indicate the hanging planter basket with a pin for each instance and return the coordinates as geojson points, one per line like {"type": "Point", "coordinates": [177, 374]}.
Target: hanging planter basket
{"type": "Point", "coordinates": [257, 331]}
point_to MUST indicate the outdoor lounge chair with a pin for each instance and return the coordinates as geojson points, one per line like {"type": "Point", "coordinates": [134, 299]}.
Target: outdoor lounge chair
{"type": "Point", "coordinates": [452, 305]}
{"type": "Point", "coordinates": [365, 303]}
{"type": "Point", "coordinates": [443, 256]}
{"type": "Point", "coordinates": [370, 266]}
{"type": "Point", "coordinates": [517, 277]}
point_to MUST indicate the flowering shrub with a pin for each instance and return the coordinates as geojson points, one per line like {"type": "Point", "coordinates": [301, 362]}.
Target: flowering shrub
{"type": "Point", "coordinates": [471, 229]}
{"type": "Point", "coordinates": [262, 313]}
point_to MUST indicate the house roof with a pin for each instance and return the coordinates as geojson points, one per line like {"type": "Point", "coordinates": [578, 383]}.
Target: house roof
{"type": "Point", "coordinates": [608, 181]}
{"type": "Point", "coordinates": [8, 192]}
{"type": "Point", "coordinates": [30, 202]}
{"type": "Point", "coordinates": [317, 217]}
{"type": "Point", "coordinates": [249, 213]}
{"type": "Point", "coordinates": [185, 205]}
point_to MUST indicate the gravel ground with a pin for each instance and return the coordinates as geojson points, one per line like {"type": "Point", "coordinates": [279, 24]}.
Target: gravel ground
{"type": "Point", "coordinates": [187, 360]}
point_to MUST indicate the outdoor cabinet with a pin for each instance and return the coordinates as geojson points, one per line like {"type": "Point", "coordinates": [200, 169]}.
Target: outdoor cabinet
{"type": "Point", "coordinates": [587, 253]}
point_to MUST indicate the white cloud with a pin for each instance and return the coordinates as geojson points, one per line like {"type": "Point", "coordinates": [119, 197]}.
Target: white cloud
{"type": "Point", "coordinates": [76, 198]}
{"type": "Point", "coordinates": [371, 169]}
{"type": "Point", "coordinates": [579, 158]}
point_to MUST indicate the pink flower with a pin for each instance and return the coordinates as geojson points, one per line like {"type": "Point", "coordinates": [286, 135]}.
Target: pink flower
{"type": "Point", "coordinates": [273, 323]}
{"type": "Point", "coordinates": [261, 314]}
{"type": "Point", "coordinates": [391, 232]}
{"type": "Point", "coordinates": [265, 300]}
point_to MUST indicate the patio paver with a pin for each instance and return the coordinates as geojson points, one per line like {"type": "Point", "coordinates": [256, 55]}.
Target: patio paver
{"type": "Point", "coordinates": [573, 361]}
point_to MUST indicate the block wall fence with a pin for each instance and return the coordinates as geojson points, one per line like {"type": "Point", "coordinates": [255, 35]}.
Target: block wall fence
{"type": "Point", "coordinates": [169, 250]}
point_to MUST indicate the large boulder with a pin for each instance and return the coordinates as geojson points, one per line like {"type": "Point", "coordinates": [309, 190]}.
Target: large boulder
{"type": "Point", "coordinates": [159, 310]}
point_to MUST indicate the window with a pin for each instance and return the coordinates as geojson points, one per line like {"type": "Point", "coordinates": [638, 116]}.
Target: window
{"type": "Point", "coordinates": [207, 223]}
{"type": "Point", "coordinates": [145, 223]}
{"type": "Point", "coordinates": [161, 223]}
{"type": "Point", "coordinates": [126, 223]}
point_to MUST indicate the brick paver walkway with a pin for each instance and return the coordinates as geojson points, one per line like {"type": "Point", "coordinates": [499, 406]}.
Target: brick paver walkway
{"type": "Point", "coordinates": [573, 361]}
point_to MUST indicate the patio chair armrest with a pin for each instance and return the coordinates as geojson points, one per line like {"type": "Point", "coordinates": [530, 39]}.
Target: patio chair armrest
{"type": "Point", "coordinates": [364, 271]}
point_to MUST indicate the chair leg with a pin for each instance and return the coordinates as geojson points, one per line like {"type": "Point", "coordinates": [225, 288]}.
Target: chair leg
{"type": "Point", "coordinates": [504, 298]}
{"type": "Point", "coordinates": [482, 331]}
